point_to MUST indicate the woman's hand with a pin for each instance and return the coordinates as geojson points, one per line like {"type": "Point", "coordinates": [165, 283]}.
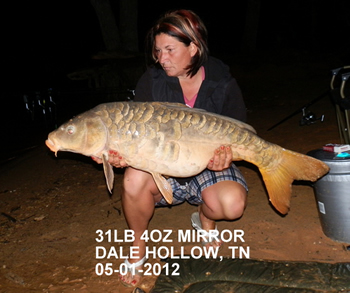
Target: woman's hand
{"type": "Point", "coordinates": [222, 159]}
{"type": "Point", "coordinates": [114, 159]}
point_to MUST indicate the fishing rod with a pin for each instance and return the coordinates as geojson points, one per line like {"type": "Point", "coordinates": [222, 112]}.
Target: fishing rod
{"type": "Point", "coordinates": [308, 117]}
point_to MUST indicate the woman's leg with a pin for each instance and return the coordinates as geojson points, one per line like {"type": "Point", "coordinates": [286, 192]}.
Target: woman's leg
{"type": "Point", "coordinates": [225, 200]}
{"type": "Point", "coordinates": [138, 201]}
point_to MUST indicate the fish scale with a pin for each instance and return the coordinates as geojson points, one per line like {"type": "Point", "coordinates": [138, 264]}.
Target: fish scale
{"type": "Point", "coordinates": [167, 139]}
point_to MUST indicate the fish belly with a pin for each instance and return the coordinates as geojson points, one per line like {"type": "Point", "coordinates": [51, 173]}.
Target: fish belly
{"type": "Point", "coordinates": [172, 158]}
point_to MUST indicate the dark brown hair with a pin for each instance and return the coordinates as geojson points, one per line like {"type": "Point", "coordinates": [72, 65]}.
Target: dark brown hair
{"type": "Point", "coordinates": [186, 27]}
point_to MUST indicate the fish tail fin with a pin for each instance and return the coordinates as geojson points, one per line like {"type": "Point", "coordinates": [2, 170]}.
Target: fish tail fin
{"type": "Point", "coordinates": [292, 166]}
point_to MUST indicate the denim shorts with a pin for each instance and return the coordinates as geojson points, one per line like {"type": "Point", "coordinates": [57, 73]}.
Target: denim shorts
{"type": "Point", "coordinates": [192, 191]}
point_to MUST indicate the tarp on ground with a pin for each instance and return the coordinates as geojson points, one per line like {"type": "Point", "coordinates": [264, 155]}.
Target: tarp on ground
{"type": "Point", "coordinates": [247, 275]}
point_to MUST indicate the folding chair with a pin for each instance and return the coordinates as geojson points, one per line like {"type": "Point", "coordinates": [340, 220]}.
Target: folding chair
{"type": "Point", "coordinates": [341, 98]}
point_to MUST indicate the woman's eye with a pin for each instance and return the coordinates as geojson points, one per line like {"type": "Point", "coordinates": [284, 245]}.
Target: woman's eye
{"type": "Point", "coordinates": [70, 129]}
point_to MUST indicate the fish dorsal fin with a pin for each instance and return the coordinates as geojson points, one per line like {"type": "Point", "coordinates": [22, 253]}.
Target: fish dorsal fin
{"type": "Point", "coordinates": [179, 106]}
{"type": "Point", "coordinates": [108, 170]}
{"type": "Point", "coordinates": [239, 123]}
{"type": "Point", "coordinates": [164, 187]}
{"type": "Point", "coordinates": [183, 107]}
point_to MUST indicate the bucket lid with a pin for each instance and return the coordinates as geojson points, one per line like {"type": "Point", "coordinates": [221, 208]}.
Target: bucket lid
{"type": "Point", "coordinates": [338, 164]}
{"type": "Point", "coordinates": [329, 156]}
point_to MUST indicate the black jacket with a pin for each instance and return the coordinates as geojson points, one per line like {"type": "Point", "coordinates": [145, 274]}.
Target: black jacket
{"type": "Point", "coordinates": [219, 92]}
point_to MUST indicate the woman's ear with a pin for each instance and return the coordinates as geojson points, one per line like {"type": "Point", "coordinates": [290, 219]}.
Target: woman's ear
{"type": "Point", "coordinates": [193, 49]}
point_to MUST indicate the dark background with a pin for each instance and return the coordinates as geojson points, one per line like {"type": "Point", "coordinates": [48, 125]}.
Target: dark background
{"type": "Point", "coordinates": [43, 41]}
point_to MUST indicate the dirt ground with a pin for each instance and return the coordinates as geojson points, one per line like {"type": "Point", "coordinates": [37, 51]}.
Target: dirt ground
{"type": "Point", "coordinates": [52, 207]}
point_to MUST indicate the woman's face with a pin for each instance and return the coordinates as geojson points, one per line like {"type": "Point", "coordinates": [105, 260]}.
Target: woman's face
{"type": "Point", "coordinates": [173, 55]}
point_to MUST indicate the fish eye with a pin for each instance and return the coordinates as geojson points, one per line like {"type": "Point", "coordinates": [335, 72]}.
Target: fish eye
{"type": "Point", "coordinates": [70, 129]}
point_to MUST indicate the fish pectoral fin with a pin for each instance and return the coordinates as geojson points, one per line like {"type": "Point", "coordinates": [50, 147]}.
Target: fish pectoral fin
{"type": "Point", "coordinates": [109, 174]}
{"type": "Point", "coordinates": [164, 187]}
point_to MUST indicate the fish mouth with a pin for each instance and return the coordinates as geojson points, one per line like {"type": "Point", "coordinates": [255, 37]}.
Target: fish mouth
{"type": "Point", "coordinates": [51, 146]}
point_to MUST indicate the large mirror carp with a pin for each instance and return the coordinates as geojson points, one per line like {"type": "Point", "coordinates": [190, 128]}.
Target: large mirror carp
{"type": "Point", "coordinates": [167, 139]}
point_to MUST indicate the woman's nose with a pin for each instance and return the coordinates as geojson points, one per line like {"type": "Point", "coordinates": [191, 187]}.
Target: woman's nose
{"type": "Point", "coordinates": [162, 57]}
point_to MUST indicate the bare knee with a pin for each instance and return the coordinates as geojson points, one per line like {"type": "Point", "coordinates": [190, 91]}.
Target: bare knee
{"type": "Point", "coordinates": [233, 204]}
{"type": "Point", "coordinates": [236, 205]}
{"type": "Point", "coordinates": [138, 183]}
{"type": "Point", "coordinates": [225, 201]}
{"type": "Point", "coordinates": [134, 181]}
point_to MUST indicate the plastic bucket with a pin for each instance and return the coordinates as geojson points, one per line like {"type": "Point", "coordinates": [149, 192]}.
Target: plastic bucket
{"type": "Point", "coordinates": [332, 194]}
